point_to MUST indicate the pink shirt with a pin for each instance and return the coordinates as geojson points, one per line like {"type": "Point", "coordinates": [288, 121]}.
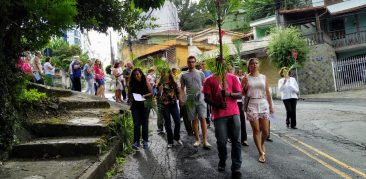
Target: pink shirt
{"type": "Point", "coordinates": [99, 74]}
{"type": "Point", "coordinates": [27, 68]}
{"type": "Point", "coordinates": [213, 88]}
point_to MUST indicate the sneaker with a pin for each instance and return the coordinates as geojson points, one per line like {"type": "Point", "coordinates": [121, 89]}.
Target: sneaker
{"type": "Point", "coordinates": [207, 145]}
{"type": "Point", "coordinates": [236, 175]}
{"type": "Point", "coordinates": [197, 143]}
{"type": "Point", "coordinates": [179, 142]}
{"type": "Point", "coordinates": [269, 139]}
{"type": "Point", "coordinates": [170, 145]}
{"type": "Point", "coordinates": [145, 145]}
{"type": "Point", "coordinates": [136, 145]}
{"type": "Point", "coordinates": [221, 166]}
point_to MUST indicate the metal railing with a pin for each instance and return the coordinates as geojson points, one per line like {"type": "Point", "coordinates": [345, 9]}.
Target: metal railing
{"type": "Point", "coordinates": [317, 38]}
{"type": "Point", "coordinates": [344, 40]}
{"type": "Point", "coordinates": [349, 73]}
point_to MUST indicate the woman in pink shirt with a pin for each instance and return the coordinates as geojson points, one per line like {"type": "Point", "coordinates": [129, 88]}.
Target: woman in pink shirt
{"type": "Point", "coordinates": [99, 77]}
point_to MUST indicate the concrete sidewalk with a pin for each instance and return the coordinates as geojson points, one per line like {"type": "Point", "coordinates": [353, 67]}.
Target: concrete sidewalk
{"type": "Point", "coordinates": [353, 95]}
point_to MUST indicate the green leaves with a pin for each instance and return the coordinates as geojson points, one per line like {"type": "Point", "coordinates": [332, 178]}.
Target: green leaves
{"type": "Point", "coordinates": [281, 43]}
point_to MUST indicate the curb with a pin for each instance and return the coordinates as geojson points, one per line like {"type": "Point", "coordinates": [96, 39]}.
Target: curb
{"type": "Point", "coordinates": [106, 161]}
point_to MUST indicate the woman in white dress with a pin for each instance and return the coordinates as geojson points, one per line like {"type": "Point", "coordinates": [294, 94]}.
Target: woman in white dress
{"type": "Point", "coordinates": [256, 89]}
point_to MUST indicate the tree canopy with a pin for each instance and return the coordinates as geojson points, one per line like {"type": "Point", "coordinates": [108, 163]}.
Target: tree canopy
{"type": "Point", "coordinates": [28, 25]}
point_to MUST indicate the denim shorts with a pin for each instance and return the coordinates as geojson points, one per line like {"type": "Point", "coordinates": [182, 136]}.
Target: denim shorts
{"type": "Point", "coordinates": [100, 81]}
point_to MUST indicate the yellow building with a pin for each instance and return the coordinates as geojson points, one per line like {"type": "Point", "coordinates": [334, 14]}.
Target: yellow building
{"type": "Point", "coordinates": [174, 46]}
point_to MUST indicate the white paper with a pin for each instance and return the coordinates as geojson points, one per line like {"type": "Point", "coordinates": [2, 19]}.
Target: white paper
{"type": "Point", "coordinates": [138, 97]}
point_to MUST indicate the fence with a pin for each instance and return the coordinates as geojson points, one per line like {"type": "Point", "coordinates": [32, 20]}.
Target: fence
{"type": "Point", "coordinates": [349, 73]}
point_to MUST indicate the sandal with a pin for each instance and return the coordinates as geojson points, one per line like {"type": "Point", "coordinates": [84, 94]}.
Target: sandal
{"type": "Point", "coordinates": [262, 158]}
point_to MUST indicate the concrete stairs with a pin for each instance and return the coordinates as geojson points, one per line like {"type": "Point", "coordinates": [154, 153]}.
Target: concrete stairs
{"type": "Point", "coordinates": [81, 135]}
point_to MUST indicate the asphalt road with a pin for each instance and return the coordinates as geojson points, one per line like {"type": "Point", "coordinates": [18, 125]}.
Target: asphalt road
{"type": "Point", "coordinates": [330, 143]}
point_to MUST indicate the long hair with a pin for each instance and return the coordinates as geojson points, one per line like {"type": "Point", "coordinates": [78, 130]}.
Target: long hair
{"type": "Point", "coordinates": [134, 83]}
{"type": "Point", "coordinates": [250, 60]}
{"type": "Point", "coordinates": [171, 78]}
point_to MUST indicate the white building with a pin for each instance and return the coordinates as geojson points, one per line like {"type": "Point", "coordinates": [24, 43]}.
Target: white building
{"type": "Point", "coordinates": [166, 18]}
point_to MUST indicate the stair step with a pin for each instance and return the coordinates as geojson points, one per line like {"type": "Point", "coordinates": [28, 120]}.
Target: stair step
{"type": "Point", "coordinates": [79, 100]}
{"type": "Point", "coordinates": [78, 126]}
{"type": "Point", "coordinates": [57, 147]}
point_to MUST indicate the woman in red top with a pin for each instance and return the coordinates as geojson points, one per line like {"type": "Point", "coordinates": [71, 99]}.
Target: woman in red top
{"type": "Point", "coordinates": [99, 77]}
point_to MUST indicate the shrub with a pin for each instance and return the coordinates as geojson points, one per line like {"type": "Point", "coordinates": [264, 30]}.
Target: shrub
{"type": "Point", "coordinates": [282, 42]}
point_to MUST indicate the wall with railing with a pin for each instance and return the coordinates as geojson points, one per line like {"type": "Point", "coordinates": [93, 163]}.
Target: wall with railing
{"type": "Point", "coordinates": [350, 73]}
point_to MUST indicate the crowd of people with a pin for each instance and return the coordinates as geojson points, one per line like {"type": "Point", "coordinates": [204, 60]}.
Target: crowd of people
{"type": "Point", "coordinates": [197, 95]}
{"type": "Point", "coordinates": [40, 74]}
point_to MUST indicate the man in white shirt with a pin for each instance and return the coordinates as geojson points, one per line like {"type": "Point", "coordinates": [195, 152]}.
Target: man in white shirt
{"type": "Point", "coordinates": [49, 71]}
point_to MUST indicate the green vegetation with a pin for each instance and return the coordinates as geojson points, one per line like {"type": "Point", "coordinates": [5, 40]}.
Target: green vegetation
{"type": "Point", "coordinates": [122, 128]}
{"type": "Point", "coordinates": [62, 53]}
{"type": "Point", "coordinates": [281, 44]}
{"type": "Point", "coordinates": [29, 25]}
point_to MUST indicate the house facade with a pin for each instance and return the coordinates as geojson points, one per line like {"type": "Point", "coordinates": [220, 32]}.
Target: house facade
{"type": "Point", "coordinates": [336, 32]}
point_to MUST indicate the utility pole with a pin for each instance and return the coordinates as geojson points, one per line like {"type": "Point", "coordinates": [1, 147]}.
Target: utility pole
{"type": "Point", "coordinates": [277, 4]}
{"type": "Point", "coordinates": [112, 53]}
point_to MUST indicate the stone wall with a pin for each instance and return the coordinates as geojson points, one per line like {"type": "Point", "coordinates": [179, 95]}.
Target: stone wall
{"type": "Point", "coordinates": [316, 76]}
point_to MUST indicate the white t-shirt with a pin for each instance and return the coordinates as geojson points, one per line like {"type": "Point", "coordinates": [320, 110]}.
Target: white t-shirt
{"type": "Point", "coordinates": [47, 68]}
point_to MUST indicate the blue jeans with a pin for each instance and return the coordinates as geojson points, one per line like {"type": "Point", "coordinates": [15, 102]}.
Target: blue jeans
{"type": "Point", "coordinates": [171, 109]}
{"type": "Point", "coordinates": [140, 119]}
{"type": "Point", "coordinates": [224, 128]}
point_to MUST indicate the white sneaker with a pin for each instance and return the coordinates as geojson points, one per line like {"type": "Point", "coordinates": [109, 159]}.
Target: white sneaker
{"type": "Point", "coordinates": [179, 142]}
{"type": "Point", "coordinates": [197, 143]}
{"type": "Point", "coordinates": [170, 145]}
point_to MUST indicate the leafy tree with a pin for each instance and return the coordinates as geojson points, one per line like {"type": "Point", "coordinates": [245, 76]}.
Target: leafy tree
{"type": "Point", "coordinates": [282, 42]}
{"type": "Point", "coordinates": [28, 25]}
{"type": "Point", "coordinates": [257, 9]}
{"type": "Point", "coordinates": [62, 53]}
{"type": "Point", "coordinates": [192, 16]}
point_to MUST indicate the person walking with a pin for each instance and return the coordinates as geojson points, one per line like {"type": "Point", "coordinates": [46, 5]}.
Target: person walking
{"type": "Point", "coordinates": [196, 108]}
{"type": "Point", "coordinates": [49, 71]}
{"type": "Point", "coordinates": [117, 73]}
{"type": "Point", "coordinates": [99, 77]}
{"type": "Point", "coordinates": [243, 131]}
{"type": "Point", "coordinates": [126, 75]}
{"type": "Point", "coordinates": [138, 89]}
{"type": "Point", "coordinates": [289, 94]}
{"type": "Point", "coordinates": [37, 68]}
{"type": "Point", "coordinates": [88, 76]}
{"type": "Point", "coordinates": [76, 75]}
{"type": "Point", "coordinates": [169, 91]}
{"type": "Point", "coordinates": [207, 74]}
{"type": "Point", "coordinates": [225, 116]}
{"type": "Point", "coordinates": [256, 90]}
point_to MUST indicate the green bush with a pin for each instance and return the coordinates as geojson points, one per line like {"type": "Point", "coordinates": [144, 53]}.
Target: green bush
{"type": "Point", "coordinates": [122, 127]}
{"type": "Point", "coordinates": [281, 43]}
{"type": "Point", "coordinates": [108, 69]}
{"type": "Point", "coordinates": [32, 96]}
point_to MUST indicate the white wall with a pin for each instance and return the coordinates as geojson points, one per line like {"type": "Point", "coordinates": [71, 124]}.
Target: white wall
{"type": "Point", "coordinates": [166, 18]}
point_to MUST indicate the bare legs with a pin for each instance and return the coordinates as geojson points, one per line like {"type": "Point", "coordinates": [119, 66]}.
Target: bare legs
{"type": "Point", "coordinates": [100, 91]}
{"type": "Point", "coordinates": [260, 132]}
{"type": "Point", "coordinates": [203, 128]}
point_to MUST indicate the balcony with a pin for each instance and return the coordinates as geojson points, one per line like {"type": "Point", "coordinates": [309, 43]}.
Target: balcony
{"type": "Point", "coordinates": [317, 38]}
{"type": "Point", "coordinates": [343, 42]}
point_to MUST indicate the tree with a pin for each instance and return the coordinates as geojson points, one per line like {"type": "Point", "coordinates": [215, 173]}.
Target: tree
{"type": "Point", "coordinates": [281, 44]}
{"type": "Point", "coordinates": [62, 53]}
{"type": "Point", "coordinates": [257, 9]}
{"type": "Point", "coordinates": [28, 25]}
{"type": "Point", "coordinates": [192, 16]}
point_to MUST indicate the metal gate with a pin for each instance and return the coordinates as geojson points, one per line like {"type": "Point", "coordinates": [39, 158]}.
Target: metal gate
{"type": "Point", "coordinates": [349, 73]}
